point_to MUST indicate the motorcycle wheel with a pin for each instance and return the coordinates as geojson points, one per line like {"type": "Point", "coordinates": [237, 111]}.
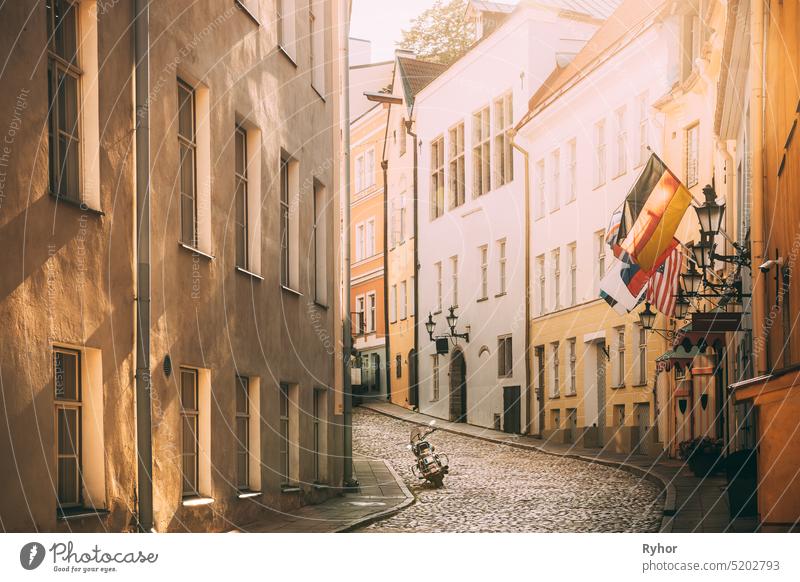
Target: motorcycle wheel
{"type": "Point", "coordinates": [437, 481]}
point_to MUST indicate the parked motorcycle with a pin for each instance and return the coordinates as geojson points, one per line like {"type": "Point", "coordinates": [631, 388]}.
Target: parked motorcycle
{"type": "Point", "coordinates": [430, 466]}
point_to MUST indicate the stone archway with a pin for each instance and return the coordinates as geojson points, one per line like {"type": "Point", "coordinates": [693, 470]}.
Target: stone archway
{"type": "Point", "coordinates": [458, 387]}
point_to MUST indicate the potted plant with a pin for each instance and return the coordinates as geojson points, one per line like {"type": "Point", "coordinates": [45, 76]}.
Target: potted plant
{"type": "Point", "coordinates": [703, 454]}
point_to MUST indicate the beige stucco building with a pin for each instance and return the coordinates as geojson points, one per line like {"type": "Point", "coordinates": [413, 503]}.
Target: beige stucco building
{"type": "Point", "coordinates": [244, 135]}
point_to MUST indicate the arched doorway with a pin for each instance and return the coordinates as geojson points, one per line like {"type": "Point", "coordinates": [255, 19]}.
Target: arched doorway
{"type": "Point", "coordinates": [413, 384]}
{"type": "Point", "coordinates": [458, 387]}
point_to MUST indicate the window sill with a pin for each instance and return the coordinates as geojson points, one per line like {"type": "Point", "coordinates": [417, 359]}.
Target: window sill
{"type": "Point", "coordinates": [195, 251]}
{"type": "Point", "coordinates": [290, 488]}
{"type": "Point", "coordinates": [287, 55]}
{"type": "Point", "coordinates": [324, 306]}
{"type": "Point", "coordinates": [247, 12]}
{"type": "Point", "coordinates": [482, 299]}
{"type": "Point", "coordinates": [321, 486]}
{"type": "Point", "coordinates": [291, 291]}
{"type": "Point", "coordinates": [318, 93]}
{"type": "Point", "coordinates": [571, 394]}
{"type": "Point", "coordinates": [639, 385]}
{"type": "Point", "coordinates": [73, 513]}
{"type": "Point", "coordinates": [554, 397]}
{"type": "Point", "coordinates": [437, 312]}
{"type": "Point", "coordinates": [196, 501]}
{"type": "Point", "coordinates": [250, 274]}
{"type": "Point", "coordinates": [247, 494]}
{"type": "Point", "coordinates": [503, 294]}
{"type": "Point", "coordinates": [617, 386]}
{"type": "Point", "coordinates": [76, 204]}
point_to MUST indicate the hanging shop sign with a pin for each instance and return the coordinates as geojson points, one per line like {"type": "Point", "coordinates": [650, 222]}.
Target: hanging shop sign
{"type": "Point", "coordinates": [716, 322]}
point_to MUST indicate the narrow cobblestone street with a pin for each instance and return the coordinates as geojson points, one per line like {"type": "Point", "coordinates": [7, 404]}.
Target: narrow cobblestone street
{"type": "Point", "coordinates": [494, 488]}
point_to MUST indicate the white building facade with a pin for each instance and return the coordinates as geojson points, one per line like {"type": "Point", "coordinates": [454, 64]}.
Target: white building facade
{"type": "Point", "coordinates": [471, 214]}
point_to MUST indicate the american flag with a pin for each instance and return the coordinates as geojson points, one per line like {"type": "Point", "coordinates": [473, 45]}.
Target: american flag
{"type": "Point", "coordinates": [663, 287]}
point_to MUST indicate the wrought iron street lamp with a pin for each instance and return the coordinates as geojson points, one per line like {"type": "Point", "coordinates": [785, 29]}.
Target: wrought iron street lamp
{"type": "Point", "coordinates": [710, 214]}
{"type": "Point", "coordinates": [681, 305]}
{"type": "Point", "coordinates": [647, 317]}
{"type": "Point", "coordinates": [452, 321]}
{"type": "Point", "coordinates": [692, 280]}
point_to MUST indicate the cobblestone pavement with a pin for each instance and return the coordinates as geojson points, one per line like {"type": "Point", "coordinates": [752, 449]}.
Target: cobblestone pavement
{"type": "Point", "coordinates": [496, 488]}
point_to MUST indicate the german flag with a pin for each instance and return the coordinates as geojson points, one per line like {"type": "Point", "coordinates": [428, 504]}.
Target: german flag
{"type": "Point", "coordinates": [651, 214]}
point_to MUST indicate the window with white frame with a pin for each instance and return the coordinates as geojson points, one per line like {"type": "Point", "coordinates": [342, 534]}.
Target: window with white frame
{"type": "Point", "coordinates": [402, 218]}
{"type": "Point", "coordinates": [691, 27]}
{"type": "Point", "coordinates": [643, 129]}
{"type": "Point", "coordinates": [435, 373]}
{"type": "Point", "coordinates": [319, 414]}
{"type": "Point", "coordinates": [316, 30]}
{"type": "Point", "coordinates": [572, 175]}
{"type": "Point", "coordinates": [501, 266]}
{"type": "Point", "coordinates": [437, 177]}
{"type": "Point", "coordinates": [555, 263]}
{"type": "Point", "coordinates": [573, 274]}
{"type": "Point", "coordinates": [67, 381]}
{"type": "Point", "coordinates": [505, 357]}
{"type": "Point", "coordinates": [600, 255]}
{"type": "Point", "coordinates": [190, 422]}
{"type": "Point", "coordinates": [555, 180]}
{"type": "Point", "coordinates": [641, 360]}
{"type": "Point", "coordinates": [600, 153]}
{"type": "Point", "coordinates": [361, 241]}
{"type": "Point", "coordinates": [438, 271]}
{"type": "Point", "coordinates": [542, 284]}
{"type": "Point", "coordinates": [412, 309]}
{"type": "Point", "coordinates": [540, 189]}
{"type": "Point", "coordinates": [290, 234]}
{"type": "Point", "coordinates": [370, 238]}
{"type": "Point", "coordinates": [619, 368]}
{"type": "Point", "coordinates": [454, 268]}
{"type": "Point", "coordinates": [188, 162]}
{"type": "Point", "coordinates": [481, 154]}
{"type": "Point", "coordinates": [241, 193]}
{"type": "Point", "coordinates": [554, 364]}
{"type": "Point", "coordinates": [403, 300]}
{"type": "Point", "coordinates": [372, 305]}
{"type": "Point", "coordinates": [622, 141]}
{"type": "Point", "coordinates": [692, 147]}
{"type": "Point", "coordinates": [456, 166]}
{"type": "Point", "coordinates": [393, 303]}
{"type": "Point", "coordinates": [483, 251]}
{"type": "Point", "coordinates": [243, 440]}
{"type": "Point", "coordinates": [321, 243]}
{"type": "Point", "coordinates": [572, 388]}
{"type": "Point", "coordinates": [285, 433]}
{"type": "Point", "coordinates": [365, 170]}
{"type": "Point", "coordinates": [286, 14]}
{"type": "Point", "coordinates": [503, 150]}
{"type": "Point", "coordinates": [403, 136]}
{"type": "Point", "coordinates": [361, 321]}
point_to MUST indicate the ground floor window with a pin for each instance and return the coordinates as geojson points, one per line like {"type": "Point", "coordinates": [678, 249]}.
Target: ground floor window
{"type": "Point", "coordinates": [190, 414]}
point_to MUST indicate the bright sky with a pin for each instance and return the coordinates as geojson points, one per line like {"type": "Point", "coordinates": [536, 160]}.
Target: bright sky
{"type": "Point", "coordinates": [381, 21]}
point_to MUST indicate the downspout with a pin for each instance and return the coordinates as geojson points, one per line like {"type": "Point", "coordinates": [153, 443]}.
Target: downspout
{"type": "Point", "coordinates": [757, 34]}
{"type": "Point", "coordinates": [347, 338]}
{"type": "Point", "coordinates": [414, 388]}
{"type": "Point", "coordinates": [144, 436]}
{"type": "Point", "coordinates": [386, 343]}
{"type": "Point", "coordinates": [528, 393]}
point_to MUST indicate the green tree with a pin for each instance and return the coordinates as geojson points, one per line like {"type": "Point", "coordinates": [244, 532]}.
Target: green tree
{"type": "Point", "coordinates": [440, 34]}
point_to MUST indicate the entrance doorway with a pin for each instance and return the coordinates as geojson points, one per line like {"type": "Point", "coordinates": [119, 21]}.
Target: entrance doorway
{"type": "Point", "coordinates": [643, 424]}
{"type": "Point", "coordinates": [602, 362]}
{"type": "Point", "coordinates": [413, 382]}
{"type": "Point", "coordinates": [571, 430]}
{"type": "Point", "coordinates": [458, 387]}
{"type": "Point", "coordinates": [511, 409]}
{"type": "Point", "coordinates": [540, 385]}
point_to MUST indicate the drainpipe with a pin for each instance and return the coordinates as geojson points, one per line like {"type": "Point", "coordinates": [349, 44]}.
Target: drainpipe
{"type": "Point", "coordinates": [757, 34]}
{"type": "Point", "coordinates": [347, 338]}
{"type": "Point", "coordinates": [386, 343]}
{"type": "Point", "coordinates": [528, 388]}
{"type": "Point", "coordinates": [144, 436]}
{"type": "Point", "coordinates": [414, 388]}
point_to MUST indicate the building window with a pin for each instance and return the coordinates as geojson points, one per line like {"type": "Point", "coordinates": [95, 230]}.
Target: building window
{"type": "Point", "coordinates": [435, 395]}
{"type": "Point", "coordinates": [188, 163]}
{"type": "Point", "coordinates": [412, 310]}
{"type": "Point", "coordinates": [190, 416]}
{"type": "Point", "coordinates": [286, 27]}
{"type": "Point", "coordinates": [600, 254]}
{"type": "Point", "coordinates": [503, 150]}
{"type": "Point", "coordinates": [555, 179]}
{"type": "Point", "coordinates": [393, 303]}
{"type": "Point", "coordinates": [619, 415]}
{"type": "Point", "coordinates": [64, 91]}
{"type": "Point", "coordinates": [242, 432]}
{"type": "Point", "coordinates": [573, 274]}
{"type": "Point", "coordinates": [622, 141]}
{"type": "Point", "coordinates": [600, 153]}
{"type": "Point", "coordinates": [619, 380]}
{"type": "Point", "coordinates": [241, 205]}
{"type": "Point", "coordinates": [505, 357]}
{"type": "Point", "coordinates": [643, 130]}
{"type": "Point", "coordinates": [361, 323]}
{"type": "Point", "coordinates": [484, 256]}
{"type": "Point", "coordinates": [692, 139]}
{"type": "Point", "coordinates": [365, 170]}
{"type": "Point", "coordinates": [481, 155]}
{"type": "Point", "coordinates": [572, 176]}
{"type": "Point", "coordinates": [438, 268]}
{"type": "Point", "coordinates": [540, 189]}
{"type": "Point", "coordinates": [403, 137]}
{"type": "Point", "coordinates": [457, 176]}
{"type": "Point", "coordinates": [289, 221]}
{"type": "Point", "coordinates": [361, 241]}
{"type": "Point", "coordinates": [320, 244]}
{"type": "Point", "coordinates": [690, 42]}
{"type": "Point", "coordinates": [555, 258]}
{"type": "Point", "coordinates": [370, 239]}
{"type": "Point", "coordinates": [454, 266]}
{"type": "Point", "coordinates": [542, 284]}
{"type": "Point", "coordinates": [403, 300]}
{"type": "Point", "coordinates": [555, 364]}
{"type": "Point", "coordinates": [318, 416]}
{"type": "Point", "coordinates": [642, 356]}
{"type": "Point", "coordinates": [402, 218]}
{"type": "Point", "coordinates": [316, 29]}
{"type": "Point", "coordinates": [371, 311]}
{"type": "Point", "coordinates": [68, 392]}
{"type": "Point", "coordinates": [285, 460]}
{"type": "Point", "coordinates": [437, 177]}
{"type": "Point", "coordinates": [573, 386]}
{"type": "Point", "coordinates": [398, 366]}
{"type": "Point", "coordinates": [501, 265]}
